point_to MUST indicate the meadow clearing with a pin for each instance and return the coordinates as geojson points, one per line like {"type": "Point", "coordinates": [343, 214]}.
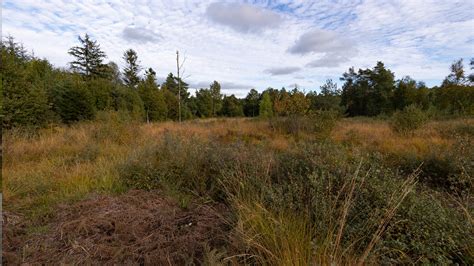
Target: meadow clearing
{"type": "Point", "coordinates": [281, 191]}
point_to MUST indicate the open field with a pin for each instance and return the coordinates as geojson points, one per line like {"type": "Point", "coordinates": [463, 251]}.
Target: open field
{"type": "Point", "coordinates": [239, 191]}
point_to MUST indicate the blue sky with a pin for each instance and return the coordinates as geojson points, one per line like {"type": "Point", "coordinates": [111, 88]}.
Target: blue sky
{"type": "Point", "coordinates": [255, 44]}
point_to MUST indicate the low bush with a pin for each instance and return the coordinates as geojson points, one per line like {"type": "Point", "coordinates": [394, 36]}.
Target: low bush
{"type": "Point", "coordinates": [446, 169]}
{"type": "Point", "coordinates": [408, 120]}
{"type": "Point", "coordinates": [319, 123]}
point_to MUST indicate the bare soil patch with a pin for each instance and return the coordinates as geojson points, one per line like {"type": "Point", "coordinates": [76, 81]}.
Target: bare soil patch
{"type": "Point", "coordinates": [135, 228]}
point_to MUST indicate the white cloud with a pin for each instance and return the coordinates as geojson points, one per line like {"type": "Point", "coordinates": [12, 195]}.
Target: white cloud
{"type": "Point", "coordinates": [275, 71]}
{"type": "Point", "coordinates": [243, 17]}
{"type": "Point", "coordinates": [140, 35]}
{"type": "Point", "coordinates": [321, 41]}
{"type": "Point", "coordinates": [328, 60]}
{"type": "Point", "coordinates": [408, 36]}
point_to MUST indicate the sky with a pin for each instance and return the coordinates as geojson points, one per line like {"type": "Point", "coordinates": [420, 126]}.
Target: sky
{"type": "Point", "coordinates": [254, 44]}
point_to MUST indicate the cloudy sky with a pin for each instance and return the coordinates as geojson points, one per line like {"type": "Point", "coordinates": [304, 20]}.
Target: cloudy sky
{"type": "Point", "coordinates": [255, 44]}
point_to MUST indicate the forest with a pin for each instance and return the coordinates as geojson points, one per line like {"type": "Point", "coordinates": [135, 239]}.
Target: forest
{"type": "Point", "coordinates": [103, 165]}
{"type": "Point", "coordinates": [37, 94]}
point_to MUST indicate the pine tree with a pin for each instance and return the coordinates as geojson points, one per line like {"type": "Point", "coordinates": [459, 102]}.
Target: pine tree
{"type": "Point", "coordinates": [204, 103]}
{"type": "Point", "coordinates": [88, 58]}
{"type": "Point", "coordinates": [231, 106]}
{"type": "Point", "coordinates": [131, 69]}
{"type": "Point", "coordinates": [171, 84]}
{"type": "Point", "coordinates": [251, 103]}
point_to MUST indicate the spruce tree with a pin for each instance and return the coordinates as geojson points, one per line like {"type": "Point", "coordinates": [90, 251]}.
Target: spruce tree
{"type": "Point", "coordinates": [88, 58]}
{"type": "Point", "coordinates": [153, 99]}
{"type": "Point", "coordinates": [131, 69]}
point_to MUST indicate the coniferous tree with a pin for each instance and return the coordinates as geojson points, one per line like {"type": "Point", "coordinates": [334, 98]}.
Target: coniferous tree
{"type": "Point", "coordinates": [231, 106]}
{"type": "Point", "coordinates": [72, 101]}
{"type": "Point", "coordinates": [368, 91]}
{"type": "Point", "coordinates": [204, 103]}
{"type": "Point", "coordinates": [329, 97]}
{"type": "Point", "coordinates": [153, 99]}
{"type": "Point", "coordinates": [132, 68]}
{"type": "Point", "coordinates": [25, 84]}
{"type": "Point", "coordinates": [88, 58]}
{"type": "Point", "coordinates": [113, 73]}
{"type": "Point", "coordinates": [251, 103]}
{"type": "Point", "coordinates": [171, 84]}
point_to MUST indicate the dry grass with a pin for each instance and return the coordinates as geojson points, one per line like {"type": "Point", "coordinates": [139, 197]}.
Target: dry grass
{"type": "Point", "coordinates": [373, 135]}
{"type": "Point", "coordinates": [69, 162]}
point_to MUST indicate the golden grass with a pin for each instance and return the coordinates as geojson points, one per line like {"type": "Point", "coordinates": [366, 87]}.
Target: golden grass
{"type": "Point", "coordinates": [67, 163]}
{"type": "Point", "coordinates": [377, 136]}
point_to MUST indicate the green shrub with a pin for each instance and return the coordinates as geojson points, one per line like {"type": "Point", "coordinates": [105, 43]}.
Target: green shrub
{"type": "Point", "coordinates": [139, 170]}
{"type": "Point", "coordinates": [72, 101]}
{"type": "Point", "coordinates": [408, 120]}
{"type": "Point", "coordinates": [445, 169]}
{"type": "Point", "coordinates": [324, 122]}
{"type": "Point", "coordinates": [319, 123]}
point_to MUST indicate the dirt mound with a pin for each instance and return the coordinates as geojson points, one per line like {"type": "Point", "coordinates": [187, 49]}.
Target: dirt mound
{"type": "Point", "coordinates": [136, 228]}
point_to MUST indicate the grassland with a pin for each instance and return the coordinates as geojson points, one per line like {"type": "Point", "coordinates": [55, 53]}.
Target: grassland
{"type": "Point", "coordinates": [343, 193]}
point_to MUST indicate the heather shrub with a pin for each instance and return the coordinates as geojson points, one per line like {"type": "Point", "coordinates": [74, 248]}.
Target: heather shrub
{"type": "Point", "coordinates": [445, 169]}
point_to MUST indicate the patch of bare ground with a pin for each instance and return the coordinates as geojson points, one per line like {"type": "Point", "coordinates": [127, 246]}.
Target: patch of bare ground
{"type": "Point", "coordinates": [135, 228]}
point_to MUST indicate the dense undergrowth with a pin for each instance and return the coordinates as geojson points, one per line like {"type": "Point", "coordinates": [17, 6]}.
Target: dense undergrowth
{"type": "Point", "coordinates": [301, 190]}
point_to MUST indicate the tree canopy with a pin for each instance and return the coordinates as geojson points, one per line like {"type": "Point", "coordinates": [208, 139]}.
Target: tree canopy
{"type": "Point", "coordinates": [35, 93]}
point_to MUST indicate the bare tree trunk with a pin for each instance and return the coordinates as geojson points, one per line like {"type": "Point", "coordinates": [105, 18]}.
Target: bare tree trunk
{"type": "Point", "coordinates": [179, 87]}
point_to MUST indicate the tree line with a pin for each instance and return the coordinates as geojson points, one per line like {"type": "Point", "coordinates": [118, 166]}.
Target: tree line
{"type": "Point", "coordinates": [35, 93]}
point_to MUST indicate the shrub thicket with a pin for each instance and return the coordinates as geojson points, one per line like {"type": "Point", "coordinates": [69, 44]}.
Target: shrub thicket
{"type": "Point", "coordinates": [408, 120]}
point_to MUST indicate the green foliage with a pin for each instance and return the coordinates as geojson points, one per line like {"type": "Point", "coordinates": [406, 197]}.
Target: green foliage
{"type": "Point", "coordinates": [319, 123]}
{"type": "Point", "coordinates": [25, 82]}
{"type": "Point", "coordinates": [153, 98]}
{"type": "Point", "coordinates": [328, 99]}
{"type": "Point", "coordinates": [324, 122]}
{"type": "Point", "coordinates": [130, 72]}
{"type": "Point", "coordinates": [251, 103]}
{"type": "Point", "coordinates": [408, 92]}
{"type": "Point", "coordinates": [266, 106]}
{"type": "Point", "coordinates": [216, 97]}
{"type": "Point", "coordinates": [293, 103]}
{"type": "Point", "coordinates": [204, 103]}
{"type": "Point", "coordinates": [312, 180]}
{"type": "Point", "coordinates": [408, 120]}
{"type": "Point", "coordinates": [171, 84]}
{"type": "Point", "coordinates": [101, 93]}
{"type": "Point", "coordinates": [72, 101]}
{"type": "Point", "coordinates": [232, 107]}
{"type": "Point", "coordinates": [368, 92]}
{"type": "Point", "coordinates": [455, 99]}
{"type": "Point", "coordinates": [442, 169]}
{"type": "Point", "coordinates": [126, 99]}
{"type": "Point", "coordinates": [88, 58]}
